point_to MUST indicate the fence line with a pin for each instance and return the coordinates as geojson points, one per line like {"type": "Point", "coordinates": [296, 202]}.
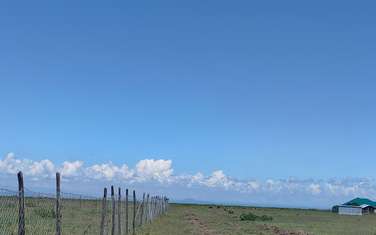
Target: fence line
{"type": "Point", "coordinates": [27, 212]}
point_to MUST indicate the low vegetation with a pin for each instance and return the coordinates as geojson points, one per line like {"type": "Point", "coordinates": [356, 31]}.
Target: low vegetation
{"type": "Point", "coordinates": [223, 220]}
{"type": "Point", "coordinates": [252, 217]}
{"type": "Point", "coordinates": [83, 218]}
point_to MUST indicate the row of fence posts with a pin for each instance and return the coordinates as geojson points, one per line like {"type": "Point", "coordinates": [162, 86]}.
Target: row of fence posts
{"type": "Point", "coordinates": [150, 208]}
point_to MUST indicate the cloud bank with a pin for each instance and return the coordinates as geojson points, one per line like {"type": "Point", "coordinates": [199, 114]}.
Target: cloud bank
{"type": "Point", "coordinates": [156, 174]}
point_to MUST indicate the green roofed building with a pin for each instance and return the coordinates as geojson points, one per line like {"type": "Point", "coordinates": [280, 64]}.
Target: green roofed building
{"type": "Point", "coordinates": [357, 206]}
{"type": "Point", "coordinates": [360, 201]}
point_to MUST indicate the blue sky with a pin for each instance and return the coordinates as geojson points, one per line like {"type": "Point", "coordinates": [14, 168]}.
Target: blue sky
{"type": "Point", "coordinates": [273, 89]}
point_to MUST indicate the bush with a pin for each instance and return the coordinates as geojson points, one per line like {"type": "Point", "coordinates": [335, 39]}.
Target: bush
{"type": "Point", "coordinates": [252, 217]}
{"type": "Point", "coordinates": [45, 212]}
{"type": "Point", "coordinates": [266, 218]}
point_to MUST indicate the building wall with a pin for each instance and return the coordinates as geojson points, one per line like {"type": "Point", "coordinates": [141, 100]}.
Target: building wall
{"type": "Point", "coordinates": [349, 210]}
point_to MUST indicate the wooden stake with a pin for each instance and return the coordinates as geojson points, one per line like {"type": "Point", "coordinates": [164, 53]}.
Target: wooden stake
{"type": "Point", "coordinates": [113, 210]}
{"type": "Point", "coordinates": [142, 209]}
{"type": "Point", "coordinates": [58, 209]}
{"type": "Point", "coordinates": [119, 211]}
{"type": "Point", "coordinates": [126, 212]}
{"type": "Point", "coordinates": [134, 213]}
{"type": "Point", "coordinates": [21, 204]}
{"type": "Point", "coordinates": [147, 209]}
{"type": "Point", "coordinates": [104, 211]}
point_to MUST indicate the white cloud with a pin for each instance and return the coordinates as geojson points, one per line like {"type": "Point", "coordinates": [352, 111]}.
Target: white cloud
{"type": "Point", "coordinates": [109, 171]}
{"type": "Point", "coordinates": [71, 168]}
{"type": "Point", "coordinates": [10, 164]}
{"type": "Point", "coordinates": [154, 169]}
{"type": "Point", "coordinates": [315, 189]}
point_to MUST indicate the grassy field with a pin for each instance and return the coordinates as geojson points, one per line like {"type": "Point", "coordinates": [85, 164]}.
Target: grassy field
{"type": "Point", "coordinates": [210, 220]}
{"type": "Point", "coordinates": [78, 216]}
{"type": "Point", "coordinates": [83, 217]}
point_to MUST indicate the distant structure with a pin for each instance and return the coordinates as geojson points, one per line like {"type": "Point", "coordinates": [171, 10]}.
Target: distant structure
{"type": "Point", "coordinates": [357, 206]}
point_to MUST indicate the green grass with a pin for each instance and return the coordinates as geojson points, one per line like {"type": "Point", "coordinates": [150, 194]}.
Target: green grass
{"type": "Point", "coordinates": [195, 219]}
{"type": "Point", "coordinates": [78, 217]}
{"type": "Point", "coordinates": [84, 218]}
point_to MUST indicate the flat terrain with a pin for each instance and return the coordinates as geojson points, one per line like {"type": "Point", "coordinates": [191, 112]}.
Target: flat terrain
{"type": "Point", "coordinates": [83, 217]}
{"type": "Point", "coordinates": [210, 220]}
{"type": "Point", "coordinates": [78, 216]}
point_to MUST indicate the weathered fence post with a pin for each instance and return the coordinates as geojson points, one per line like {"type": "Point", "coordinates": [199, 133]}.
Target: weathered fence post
{"type": "Point", "coordinates": [58, 208]}
{"type": "Point", "coordinates": [163, 205]}
{"type": "Point", "coordinates": [126, 212]}
{"type": "Point", "coordinates": [119, 212]}
{"type": "Point", "coordinates": [113, 210]}
{"type": "Point", "coordinates": [134, 213]}
{"type": "Point", "coordinates": [21, 204]}
{"type": "Point", "coordinates": [104, 211]}
{"type": "Point", "coordinates": [151, 209]}
{"type": "Point", "coordinates": [142, 209]}
{"type": "Point", "coordinates": [147, 209]}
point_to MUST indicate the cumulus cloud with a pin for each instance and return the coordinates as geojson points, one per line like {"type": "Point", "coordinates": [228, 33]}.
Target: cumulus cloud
{"type": "Point", "coordinates": [154, 171]}
{"type": "Point", "coordinates": [109, 171]}
{"type": "Point", "coordinates": [71, 168]}
{"type": "Point", "coordinates": [10, 164]}
{"type": "Point", "coordinates": [314, 188]}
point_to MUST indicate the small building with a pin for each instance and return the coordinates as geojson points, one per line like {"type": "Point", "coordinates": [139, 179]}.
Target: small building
{"type": "Point", "coordinates": [357, 206]}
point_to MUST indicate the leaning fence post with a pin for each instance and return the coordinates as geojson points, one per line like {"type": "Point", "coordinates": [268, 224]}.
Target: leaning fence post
{"type": "Point", "coordinates": [134, 213]}
{"type": "Point", "coordinates": [142, 209]}
{"type": "Point", "coordinates": [21, 204]}
{"type": "Point", "coordinates": [126, 212]}
{"type": "Point", "coordinates": [104, 211]}
{"type": "Point", "coordinates": [119, 211]}
{"type": "Point", "coordinates": [58, 208]}
{"type": "Point", "coordinates": [113, 210]}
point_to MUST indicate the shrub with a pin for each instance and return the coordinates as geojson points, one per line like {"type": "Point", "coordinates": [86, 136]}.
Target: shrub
{"type": "Point", "coordinates": [45, 212]}
{"type": "Point", "coordinates": [252, 217]}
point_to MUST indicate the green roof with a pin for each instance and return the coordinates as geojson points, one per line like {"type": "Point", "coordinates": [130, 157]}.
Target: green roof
{"type": "Point", "coordinates": [360, 201]}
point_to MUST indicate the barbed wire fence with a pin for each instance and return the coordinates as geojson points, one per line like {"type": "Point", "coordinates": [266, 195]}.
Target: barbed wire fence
{"type": "Point", "coordinates": [118, 212]}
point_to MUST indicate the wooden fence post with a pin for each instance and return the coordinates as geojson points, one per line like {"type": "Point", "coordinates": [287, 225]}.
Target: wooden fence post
{"type": "Point", "coordinates": [163, 206]}
{"type": "Point", "coordinates": [21, 204]}
{"type": "Point", "coordinates": [58, 208]}
{"type": "Point", "coordinates": [134, 213]}
{"type": "Point", "coordinates": [126, 212]}
{"type": "Point", "coordinates": [154, 198]}
{"type": "Point", "coordinates": [113, 210]}
{"type": "Point", "coordinates": [151, 209]}
{"type": "Point", "coordinates": [147, 209]}
{"type": "Point", "coordinates": [119, 212]}
{"type": "Point", "coordinates": [104, 211]}
{"type": "Point", "coordinates": [142, 209]}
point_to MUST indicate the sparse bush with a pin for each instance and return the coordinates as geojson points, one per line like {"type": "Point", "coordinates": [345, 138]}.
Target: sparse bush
{"type": "Point", "coordinates": [266, 218]}
{"type": "Point", "coordinates": [45, 212]}
{"type": "Point", "coordinates": [252, 217]}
